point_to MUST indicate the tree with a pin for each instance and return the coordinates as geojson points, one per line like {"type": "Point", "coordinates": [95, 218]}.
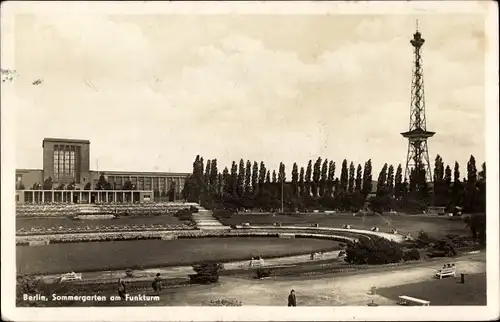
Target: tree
{"type": "Point", "coordinates": [440, 190]}
{"type": "Point", "coordinates": [398, 184]}
{"type": "Point", "coordinates": [241, 178]}
{"type": "Point", "coordinates": [301, 181]}
{"type": "Point", "coordinates": [480, 205]}
{"type": "Point", "coordinates": [344, 176]}
{"type": "Point", "coordinates": [87, 186]}
{"type": "Point", "coordinates": [324, 178]}
{"type": "Point", "coordinates": [457, 185]}
{"type": "Point", "coordinates": [206, 177]}
{"type": "Point", "coordinates": [281, 173]}
{"type": "Point", "coordinates": [359, 179]}
{"type": "Point", "coordinates": [255, 177]}
{"type": "Point", "coordinates": [331, 177]}
{"type": "Point", "coordinates": [438, 169]}
{"type": "Point", "coordinates": [127, 185]}
{"type": "Point", "coordinates": [248, 176]}
{"type": "Point", "coordinates": [307, 179]}
{"type": "Point", "coordinates": [315, 177]}
{"type": "Point", "coordinates": [102, 183]}
{"type": "Point", "coordinates": [295, 179]}
{"type": "Point", "coordinates": [262, 174]}
{"type": "Point", "coordinates": [47, 184]}
{"type": "Point", "coordinates": [214, 177]}
{"type": "Point", "coordinates": [194, 183]}
{"type": "Point", "coordinates": [234, 179]}
{"type": "Point", "coordinates": [367, 178]}
{"type": "Point", "coordinates": [477, 226]}
{"type": "Point", "coordinates": [471, 186]}
{"type": "Point", "coordinates": [275, 179]}
{"type": "Point", "coordinates": [351, 180]}
{"type": "Point", "coordinates": [382, 179]}
{"type": "Point", "coordinates": [390, 180]}
{"type": "Point", "coordinates": [227, 187]}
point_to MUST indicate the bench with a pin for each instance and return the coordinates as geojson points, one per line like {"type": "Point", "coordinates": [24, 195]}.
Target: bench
{"type": "Point", "coordinates": [449, 271]}
{"type": "Point", "coordinates": [404, 300]}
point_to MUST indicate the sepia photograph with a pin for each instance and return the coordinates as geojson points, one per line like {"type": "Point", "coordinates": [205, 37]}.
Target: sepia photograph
{"type": "Point", "coordinates": [188, 156]}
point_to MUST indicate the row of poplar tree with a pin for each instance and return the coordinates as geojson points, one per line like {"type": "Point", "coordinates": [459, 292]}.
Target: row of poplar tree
{"type": "Point", "coordinates": [251, 185]}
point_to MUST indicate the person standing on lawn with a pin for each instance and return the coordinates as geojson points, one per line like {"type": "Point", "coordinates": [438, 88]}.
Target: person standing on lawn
{"type": "Point", "coordinates": [122, 290]}
{"type": "Point", "coordinates": [157, 283]}
{"type": "Point", "coordinates": [292, 299]}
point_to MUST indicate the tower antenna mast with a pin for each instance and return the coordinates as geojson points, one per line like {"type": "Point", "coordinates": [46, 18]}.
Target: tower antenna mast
{"type": "Point", "coordinates": [418, 153]}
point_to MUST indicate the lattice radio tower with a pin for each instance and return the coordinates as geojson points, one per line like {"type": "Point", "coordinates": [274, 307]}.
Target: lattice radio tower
{"type": "Point", "coordinates": [417, 135]}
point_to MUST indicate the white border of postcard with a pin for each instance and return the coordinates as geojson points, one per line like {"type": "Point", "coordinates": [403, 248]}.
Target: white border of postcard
{"type": "Point", "coordinates": [10, 312]}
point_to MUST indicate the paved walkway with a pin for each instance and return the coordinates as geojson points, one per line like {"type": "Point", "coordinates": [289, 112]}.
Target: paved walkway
{"type": "Point", "coordinates": [184, 271]}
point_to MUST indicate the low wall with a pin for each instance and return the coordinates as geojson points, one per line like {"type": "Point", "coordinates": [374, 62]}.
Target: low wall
{"type": "Point", "coordinates": [394, 237]}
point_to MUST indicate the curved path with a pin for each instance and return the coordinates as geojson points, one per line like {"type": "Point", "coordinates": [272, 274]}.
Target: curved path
{"type": "Point", "coordinates": [394, 237]}
{"type": "Point", "coordinates": [331, 290]}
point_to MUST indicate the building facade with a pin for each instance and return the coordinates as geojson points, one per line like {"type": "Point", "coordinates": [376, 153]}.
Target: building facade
{"type": "Point", "coordinates": [67, 161]}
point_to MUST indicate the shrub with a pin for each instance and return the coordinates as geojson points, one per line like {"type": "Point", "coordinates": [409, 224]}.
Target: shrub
{"type": "Point", "coordinates": [263, 272]}
{"type": "Point", "coordinates": [193, 209]}
{"type": "Point", "coordinates": [184, 215]}
{"type": "Point", "coordinates": [446, 247]}
{"type": "Point", "coordinates": [373, 250]}
{"type": "Point", "coordinates": [206, 273]}
{"type": "Point", "coordinates": [411, 254]}
{"type": "Point", "coordinates": [423, 239]}
{"type": "Point", "coordinates": [222, 214]}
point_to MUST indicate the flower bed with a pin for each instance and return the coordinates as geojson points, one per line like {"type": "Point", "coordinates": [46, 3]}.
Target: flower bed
{"type": "Point", "coordinates": [131, 235]}
{"type": "Point", "coordinates": [58, 210]}
{"type": "Point", "coordinates": [97, 228]}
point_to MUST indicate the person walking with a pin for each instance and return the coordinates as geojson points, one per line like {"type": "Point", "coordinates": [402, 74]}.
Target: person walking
{"type": "Point", "coordinates": [122, 290]}
{"type": "Point", "coordinates": [292, 299]}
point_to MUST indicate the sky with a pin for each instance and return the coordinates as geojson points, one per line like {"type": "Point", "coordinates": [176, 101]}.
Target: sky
{"type": "Point", "coordinates": [153, 91]}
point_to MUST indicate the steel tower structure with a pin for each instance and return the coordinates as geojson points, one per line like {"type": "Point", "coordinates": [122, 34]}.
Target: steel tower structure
{"type": "Point", "coordinates": [417, 135]}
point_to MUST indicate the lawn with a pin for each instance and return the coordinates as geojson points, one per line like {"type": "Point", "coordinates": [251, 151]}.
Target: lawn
{"type": "Point", "coordinates": [437, 226]}
{"type": "Point", "coordinates": [28, 223]}
{"type": "Point", "coordinates": [95, 256]}
{"type": "Point", "coordinates": [448, 291]}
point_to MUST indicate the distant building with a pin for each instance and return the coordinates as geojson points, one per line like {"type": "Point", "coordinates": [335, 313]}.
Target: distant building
{"type": "Point", "coordinates": [67, 161]}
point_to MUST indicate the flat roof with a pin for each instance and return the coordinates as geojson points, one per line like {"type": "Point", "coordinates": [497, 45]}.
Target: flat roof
{"type": "Point", "coordinates": [141, 173]}
{"type": "Point", "coordinates": [57, 140]}
{"type": "Point", "coordinates": [28, 170]}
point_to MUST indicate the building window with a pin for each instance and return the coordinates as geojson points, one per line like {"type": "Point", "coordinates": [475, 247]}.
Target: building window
{"type": "Point", "coordinates": [147, 184]}
{"type": "Point", "coordinates": [64, 163]}
{"type": "Point", "coordinates": [56, 163]}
